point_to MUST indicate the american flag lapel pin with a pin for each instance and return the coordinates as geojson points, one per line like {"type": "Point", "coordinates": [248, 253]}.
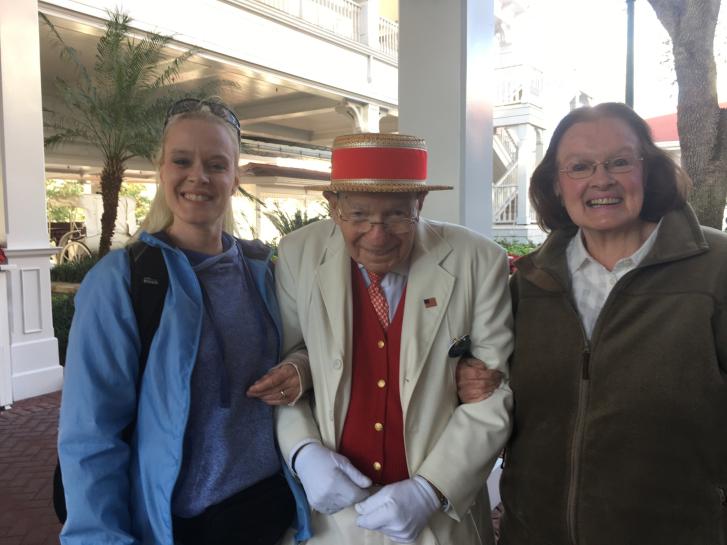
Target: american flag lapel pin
{"type": "Point", "coordinates": [430, 302]}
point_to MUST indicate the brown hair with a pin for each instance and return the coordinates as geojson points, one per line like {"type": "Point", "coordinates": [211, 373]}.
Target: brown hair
{"type": "Point", "coordinates": [665, 183]}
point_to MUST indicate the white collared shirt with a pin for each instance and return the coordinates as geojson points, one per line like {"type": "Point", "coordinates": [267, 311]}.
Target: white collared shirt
{"type": "Point", "coordinates": [392, 285]}
{"type": "Point", "coordinates": [591, 282]}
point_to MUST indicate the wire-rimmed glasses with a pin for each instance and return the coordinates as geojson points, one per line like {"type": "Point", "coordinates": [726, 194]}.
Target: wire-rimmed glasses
{"type": "Point", "coordinates": [581, 170]}
{"type": "Point", "coordinates": [396, 225]}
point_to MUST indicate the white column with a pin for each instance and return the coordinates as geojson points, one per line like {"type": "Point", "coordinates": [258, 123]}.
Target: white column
{"type": "Point", "coordinates": [446, 60]}
{"type": "Point", "coordinates": [24, 228]}
{"type": "Point", "coordinates": [525, 166]}
{"type": "Point", "coordinates": [369, 23]}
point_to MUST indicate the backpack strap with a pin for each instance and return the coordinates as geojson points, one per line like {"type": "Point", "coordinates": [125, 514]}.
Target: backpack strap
{"type": "Point", "coordinates": [148, 289]}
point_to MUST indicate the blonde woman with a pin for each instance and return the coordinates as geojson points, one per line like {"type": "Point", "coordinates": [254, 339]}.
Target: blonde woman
{"type": "Point", "coordinates": [202, 465]}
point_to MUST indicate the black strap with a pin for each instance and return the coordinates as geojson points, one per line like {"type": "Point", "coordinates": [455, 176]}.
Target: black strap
{"type": "Point", "coordinates": [149, 284]}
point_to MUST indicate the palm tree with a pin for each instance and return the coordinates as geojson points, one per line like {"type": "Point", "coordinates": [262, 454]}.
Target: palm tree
{"type": "Point", "coordinates": [117, 105]}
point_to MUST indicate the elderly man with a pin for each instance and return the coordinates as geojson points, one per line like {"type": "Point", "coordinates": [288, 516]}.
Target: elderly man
{"type": "Point", "coordinates": [384, 449]}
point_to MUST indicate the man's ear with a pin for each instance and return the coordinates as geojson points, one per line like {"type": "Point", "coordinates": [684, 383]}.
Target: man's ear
{"type": "Point", "coordinates": [332, 199]}
{"type": "Point", "coordinates": [420, 200]}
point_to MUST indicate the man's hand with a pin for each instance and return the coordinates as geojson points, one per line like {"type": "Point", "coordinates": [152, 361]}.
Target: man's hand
{"type": "Point", "coordinates": [330, 480]}
{"type": "Point", "coordinates": [279, 386]}
{"type": "Point", "coordinates": [400, 510]}
{"type": "Point", "coordinates": [475, 382]}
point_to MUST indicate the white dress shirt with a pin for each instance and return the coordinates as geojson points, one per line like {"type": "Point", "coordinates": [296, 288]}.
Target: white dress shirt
{"type": "Point", "coordinates": [591, 282]}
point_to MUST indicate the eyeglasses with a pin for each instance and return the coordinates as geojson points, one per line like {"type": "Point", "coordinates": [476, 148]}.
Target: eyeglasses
{"type": "Point", "coordinates": [186, 105]}
{"type": "Point", "coordinates": [396, 225]}
{"type": "Point", "coordinates": [580, 170]}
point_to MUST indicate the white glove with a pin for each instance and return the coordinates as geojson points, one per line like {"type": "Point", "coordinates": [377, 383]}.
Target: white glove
{"type": "Point", "coordinates": [399, 510]}
{"type": "Point", "coordinates": [329, 479]}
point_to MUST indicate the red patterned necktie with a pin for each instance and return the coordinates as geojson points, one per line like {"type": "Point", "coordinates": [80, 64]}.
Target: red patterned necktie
{"type": "Point", "coordinates": [381, 306]}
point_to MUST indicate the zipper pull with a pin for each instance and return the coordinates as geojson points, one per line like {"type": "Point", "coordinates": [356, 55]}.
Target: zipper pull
{"type": "Point", "coordinates": [586, 361]}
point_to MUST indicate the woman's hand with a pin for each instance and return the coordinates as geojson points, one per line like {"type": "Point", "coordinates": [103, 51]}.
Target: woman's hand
{"type": "Point", "coordinates": [475, 382]}
{"type": "Point", "coordinates": [279, 386]}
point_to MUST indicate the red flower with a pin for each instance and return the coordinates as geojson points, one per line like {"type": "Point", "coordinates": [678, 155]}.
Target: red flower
{"type": "Point", "coordinates": [511, 261]}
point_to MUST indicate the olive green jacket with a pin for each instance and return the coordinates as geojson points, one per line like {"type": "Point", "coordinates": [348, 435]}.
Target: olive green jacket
{"type": "Point", "coordinates": [621, 440]}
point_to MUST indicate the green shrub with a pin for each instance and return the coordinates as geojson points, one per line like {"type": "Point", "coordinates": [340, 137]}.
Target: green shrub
{"type": "Point", "coordinates": [62, 304]}
{"type": "Point", "coordinates": [72, 271]}
{"type": "Point", "coordinates": [517, 248]}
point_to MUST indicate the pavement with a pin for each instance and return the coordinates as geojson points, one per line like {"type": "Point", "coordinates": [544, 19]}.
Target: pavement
{"type": "Point", "coordinates": [28, 434]}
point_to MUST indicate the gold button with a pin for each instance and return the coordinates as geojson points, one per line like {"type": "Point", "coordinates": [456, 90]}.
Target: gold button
{"type": "Point", "coordinates": [380, 344]}
{"type": "Point", "coordinates": [381, 383]}
{"type": "Point", "coordinates": [377, 466]}
{"type": "Point", "coordinates": [378, 426]}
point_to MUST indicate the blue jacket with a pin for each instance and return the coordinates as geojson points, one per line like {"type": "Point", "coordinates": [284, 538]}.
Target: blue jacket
{"type": "Point", "coordinates": [121, 493]}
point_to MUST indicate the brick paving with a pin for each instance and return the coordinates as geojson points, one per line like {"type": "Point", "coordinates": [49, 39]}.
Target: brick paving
{"type": "Point", "coordinates": [27, 458]}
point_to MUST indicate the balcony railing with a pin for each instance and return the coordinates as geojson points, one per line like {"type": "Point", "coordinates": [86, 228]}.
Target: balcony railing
{"type": "Point", "coordinates": [389, 37]}
{"type": "Point", "coordinates": [342, 17]}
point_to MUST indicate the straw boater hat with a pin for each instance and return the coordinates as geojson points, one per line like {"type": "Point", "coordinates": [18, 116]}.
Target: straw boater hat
{"type": "Point", "coordinates": [379, 163]}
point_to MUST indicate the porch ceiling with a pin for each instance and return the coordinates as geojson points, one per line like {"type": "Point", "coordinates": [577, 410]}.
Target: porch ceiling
{"type": "Point", "coordinates": [268, 105]}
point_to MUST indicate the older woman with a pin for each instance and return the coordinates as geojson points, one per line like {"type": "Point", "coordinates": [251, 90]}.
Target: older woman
{"type": "Point", "coordinates": [201, 466]}
{"type": "Point", "coordinates": [620, 356]}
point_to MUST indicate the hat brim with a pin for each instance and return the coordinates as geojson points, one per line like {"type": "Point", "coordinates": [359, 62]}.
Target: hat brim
{"type": "Point", "coordinates": [385, 187]}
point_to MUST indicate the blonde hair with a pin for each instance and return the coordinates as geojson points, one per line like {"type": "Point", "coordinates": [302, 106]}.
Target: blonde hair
{"type": "Point", "coordinates": [160, 216]}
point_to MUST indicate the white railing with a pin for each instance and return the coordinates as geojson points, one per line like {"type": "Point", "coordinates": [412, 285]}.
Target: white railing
{"type": "Point", "coordinates": [505, 189]}
{"type": "Point", "coordinates": [503, 136]}
{"type": "Point", "coordinates": [519, 84]}
{"type": "Point", "coordinates": [504, 203]}
{"type": "Point", "coordinates": [388, 37]}
{"type": "Point", "coordinates": [342, 17]}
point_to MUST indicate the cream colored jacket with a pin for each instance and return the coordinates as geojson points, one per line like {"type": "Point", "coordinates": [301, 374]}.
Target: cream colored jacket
{"type": "Point", "coordinates": [452, 445]}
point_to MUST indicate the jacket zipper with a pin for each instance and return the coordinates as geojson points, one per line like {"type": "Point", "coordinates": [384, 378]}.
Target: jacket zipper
{"type": "Point", "coordinates": [582, 402]}
{"type": "Point", "coordinates": [577, 444]}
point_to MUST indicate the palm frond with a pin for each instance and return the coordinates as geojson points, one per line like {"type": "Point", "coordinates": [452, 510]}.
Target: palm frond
{"type": "Point", "coordinates": [250, 196]}
{"type": "Point", "coordinates": [67, 52]}
{"type": "Point", "coordinates": [109, 47]}
{"type": "Point", "coordinates": [65, 135]}
{"type": "Point", "coordinates": [168, 75]}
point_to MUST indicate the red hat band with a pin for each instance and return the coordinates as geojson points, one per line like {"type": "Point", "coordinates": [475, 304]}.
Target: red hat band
{"type": "Point", "coordinates": [379, 163]}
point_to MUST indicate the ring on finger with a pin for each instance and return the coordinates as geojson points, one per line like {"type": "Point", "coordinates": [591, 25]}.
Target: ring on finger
{"type": "Point", "coordinates": [283, 395]}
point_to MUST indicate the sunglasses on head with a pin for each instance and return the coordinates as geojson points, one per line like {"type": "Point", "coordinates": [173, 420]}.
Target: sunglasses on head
{"type": "Point", "coordinates": [186, 105]}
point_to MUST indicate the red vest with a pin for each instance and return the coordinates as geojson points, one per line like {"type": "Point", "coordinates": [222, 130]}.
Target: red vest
{"type": "Point", "coordinates": [373, 433]}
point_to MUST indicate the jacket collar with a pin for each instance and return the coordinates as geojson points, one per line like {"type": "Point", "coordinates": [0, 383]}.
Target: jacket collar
{"type": "Point", "coordinates": [251, 249]}
{"type": "Point", "coordinates": [679, 236]}
{"type": "Point", "coordinates": [333, 276]}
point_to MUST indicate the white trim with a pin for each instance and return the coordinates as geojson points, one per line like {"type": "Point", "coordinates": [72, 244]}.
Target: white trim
{"type": "Point", "coordinates": [6, 363]}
